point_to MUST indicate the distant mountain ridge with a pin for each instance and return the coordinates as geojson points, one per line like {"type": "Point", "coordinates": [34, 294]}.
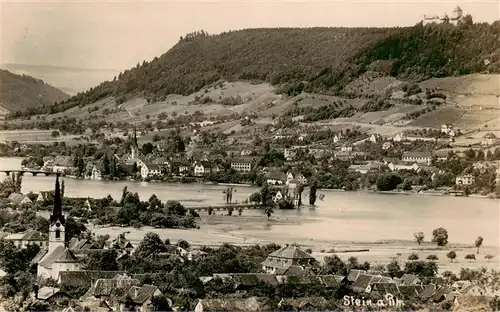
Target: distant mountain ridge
{"type": "Point", "coordinates": [319, 60]}
{"type": "Point", "coordinates": [71, 80]}
{"type": "Point", "coordinates": [22, 92]}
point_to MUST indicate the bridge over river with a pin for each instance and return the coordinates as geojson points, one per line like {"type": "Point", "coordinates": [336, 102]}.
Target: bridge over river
{"type": "Point", "coordinates": [21, 172]}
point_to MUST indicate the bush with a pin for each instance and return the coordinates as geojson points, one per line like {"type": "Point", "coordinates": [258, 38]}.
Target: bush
{"type": "Point", "coordinates": [413, 257]}
{"type": "Point", "coordinates": [432, 257]}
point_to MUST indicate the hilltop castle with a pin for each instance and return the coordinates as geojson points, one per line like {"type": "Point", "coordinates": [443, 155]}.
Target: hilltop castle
{"type": "Point", "coordinates": [454, 18]}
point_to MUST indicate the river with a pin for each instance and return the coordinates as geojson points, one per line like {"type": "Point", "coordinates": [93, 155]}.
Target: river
{"type": "Point", "coordinates": [350, 216]}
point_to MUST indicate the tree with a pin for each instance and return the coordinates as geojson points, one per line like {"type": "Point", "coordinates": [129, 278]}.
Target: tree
{"type": "Point", "coordinates": [175, 208]}
{"type": "Point", "coordinates": [470, 257]}
{"type": "Point", "coordinates": [440, 236]}
{"type": "Point", "coordinates": [432, 257]}
{"type": "Point", "coordinates": [103, 260]}
{"type": "Point", "coordinates": [388, 182]}
{"type": "Point", "coordinates": [312, 192]}
{"type": "Point", "coordinates": [479, 242]}
{"type": "Point", "coordinates": [451, 255]}
{"type": "Point", "coordinates": [300, 190]}
{"type": "Point", "coordinates": [183, 244]}
{"type": "Point", "coordinates": [334, 265]}
{"type": "Point", "coordinates": [421, 268]}
{"type": "Point", "coordinates": [151, 245]}
{"type": "Point", "coordinates": [413, 257]}
{"type": "Point", "coordinates": [255, 198]}
{"type": "Point", "coordinates": [489, 257]}
{"type": "Point", "coordinates": [419, 237]}
{"type": "Point", "coordinates": [161, 303]}
{"type": "Point", "coordinates": [393, 268]}
{"type": "Point", "coordinates": [55, 134]}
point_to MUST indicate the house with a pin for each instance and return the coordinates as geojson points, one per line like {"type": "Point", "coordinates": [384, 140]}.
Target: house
{"type": "Point", "coordinates": [149, 170]}
{"type": "Point", "coordinates": [119, 243]}
{"type": "Point", "coordinates": [403, 166]}
{"type": "Point", "coordinates": [94, 305]}
{"type": "Point", "coordinates": [45, 195]}
{"type": "Point", "coordinates": [410, 280]}
{"type": "Point", "coordinates": [364, 168]}
{"type": "Point", "coordinates": [96, 172]}
{"type": "Point", "coordinates": [62, 164]}
{"type": "Point", "coordinates": [19, 199]}
{"type": "Point", "coordinates": [51, 295]}
{"type": "Point", "coordinates": [84, 279]}
{"type": "Point", "coordinates": [57, 257]}
{"type": "Point", "coordinates": [362, 283]}
{"type": "Point", "coordinates": [296, 176]}
{"type": "Point", "coordinates": [275, 177]}
{"type": "Point", "coordinates": [289, 154]}
{"type": "Point", "coordinates": [232, 304]}
{"type": "Point", "coordinates": [386, 145]}
{"type": "Point", "coordinates": [2, 273]}
{"type": "Point", "coordinates": [399, 137]}
{"type": "Point", "coordinates": [488, 139]}
{"type": "Point", "coordinates": [110, 289]}
{"type": "Point", "coordinates": [246, 152]}
{"type": "Point", "coordinates": [337, 138]}
{"type": "Point", "coordinates": [418, 157]}
{"type": "Point", "coordinates": [346, 148]}
{"type": "Point", "coordinates": [446, 128]}
{"type": "Point", "coordinates": [141, 297]}
{"type": "Point", "coordinates": [199, 169]}
{"type": "Point", "coordinates": [30, 237]}
{"type": "Point", "coordinates": [283, 259]}
{"type": "Point", "coordinates": [374, 138]}
{"type": "Point", "coordinates": [465, 179]}
{"type": "Point", "coordinates": [243, 164]}
{"type": "Point", "coordinates": [278, 197]}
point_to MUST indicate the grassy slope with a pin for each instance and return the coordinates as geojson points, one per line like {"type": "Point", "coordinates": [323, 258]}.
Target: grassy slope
{"type": "Point", "coordinates": [20, 92]}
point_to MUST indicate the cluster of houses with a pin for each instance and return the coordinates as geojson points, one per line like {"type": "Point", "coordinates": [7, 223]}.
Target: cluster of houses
{"type": "Point", "coordinates": [117, 290]}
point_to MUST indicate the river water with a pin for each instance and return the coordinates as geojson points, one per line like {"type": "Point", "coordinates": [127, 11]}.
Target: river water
{"type": "Point", "coordinates": [351, 216]}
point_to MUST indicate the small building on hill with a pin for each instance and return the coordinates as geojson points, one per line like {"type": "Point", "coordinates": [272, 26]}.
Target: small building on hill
{"type": "Point", "coordinates": [30, 237]}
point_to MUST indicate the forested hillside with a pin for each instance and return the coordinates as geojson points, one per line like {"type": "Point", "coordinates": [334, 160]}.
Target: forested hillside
{"type": "Point", "coordinates": [21, 92]}
{"type": "Point", "coordinates": [314, 59]}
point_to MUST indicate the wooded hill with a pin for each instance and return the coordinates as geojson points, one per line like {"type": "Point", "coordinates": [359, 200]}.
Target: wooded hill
{"type": "Point", "coordinates": [319, 60]}
{"type": "Point", "coordinates": [21, 92]}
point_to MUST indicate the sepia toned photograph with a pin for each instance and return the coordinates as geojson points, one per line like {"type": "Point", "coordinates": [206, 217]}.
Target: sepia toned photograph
{"type": "Point", "coordinates": [249, 155]}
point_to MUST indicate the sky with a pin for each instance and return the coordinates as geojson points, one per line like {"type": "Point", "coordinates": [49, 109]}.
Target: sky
{"type": "Point", "coordinates": [109, 34]}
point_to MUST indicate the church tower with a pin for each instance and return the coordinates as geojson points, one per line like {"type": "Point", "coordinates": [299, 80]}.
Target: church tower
{"type": "Point", "coordinates": [57, 221]}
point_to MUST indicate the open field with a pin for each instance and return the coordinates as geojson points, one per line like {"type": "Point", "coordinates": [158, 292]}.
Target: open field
{"type": "Point", "coordinates": [34, 136]}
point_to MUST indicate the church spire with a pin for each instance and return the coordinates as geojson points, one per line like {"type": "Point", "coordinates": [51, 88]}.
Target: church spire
{"type": "Point", "coordinates": [57, 214]}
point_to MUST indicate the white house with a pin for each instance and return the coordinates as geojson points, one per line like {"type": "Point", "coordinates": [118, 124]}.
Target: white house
{"type": "Point", "coordinates": [399, 137]}
{"type": "Point", "coordinates": [386, 145]}
{"type": "Point", "coordinates": [278, 197]}
{"type": "Point", "coordinates": [465, 179]}
{"type": "Point", "coordinates": [199, 169]}
{"type": "Point", "coordinates": [418, 157]}
{"type": "Point", "coordinates": [337, 138]}
{"type": "Point", "coordinates": [374, 138]}
{"type": "Point", "coordinates": [96, 173]}
{"type": "Point", "coordinates": [346, 148]}
{"type": "Point", "coordinates": [30, 237]}
{"type": "Point", "coordinates": [289, 154]}
{"type": "Point", "coordinates": [44, 195]}
{"type": "Point", "coordinates": [396, 167]}
{"type": "Point", "coordinates": [446, 128]}
{"type": "Point", "coordinates": [150, 170]}
{"type": "Point", "coordinates": [488, 139]}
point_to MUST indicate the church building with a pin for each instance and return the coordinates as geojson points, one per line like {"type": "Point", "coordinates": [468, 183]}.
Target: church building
{"type": "Point", "coordinates": [57, 257]}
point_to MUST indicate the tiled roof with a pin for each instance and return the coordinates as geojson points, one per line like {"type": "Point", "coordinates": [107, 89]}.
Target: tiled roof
{"type": "Point", "coordinates": [39, 256]}
{"type": "Point", "coordinates": [416, 154]}
{"type": "Point", "coordinates": [409, 279]}
{"type": "Point", "coordinates": [32, 235]}
{"type": "Point", "coordinates": [51, 257]}
{"type": "Point", "coordinates": [291, 252]}
{"type": "Point", "coordinates": [428, 291]}
{"type": "Point", "coordinates": [140, 294]}
{"type": "Point", "coordinates": [45, 293]}
{"type": "Point", "coordinates": [67, 257]}
{"type": "Point", "coordinates": [353, 275]}
{"type": "Point", "coordinates": [362, 282]}
{"type": "Point", "coordinates": [85, 278]}
{"type": "Point", "coordinates": [410, 292]}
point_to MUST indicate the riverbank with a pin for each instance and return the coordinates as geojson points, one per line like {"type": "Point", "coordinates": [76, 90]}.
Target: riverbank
{"type": "Point", "coordinates": [250, 230]}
